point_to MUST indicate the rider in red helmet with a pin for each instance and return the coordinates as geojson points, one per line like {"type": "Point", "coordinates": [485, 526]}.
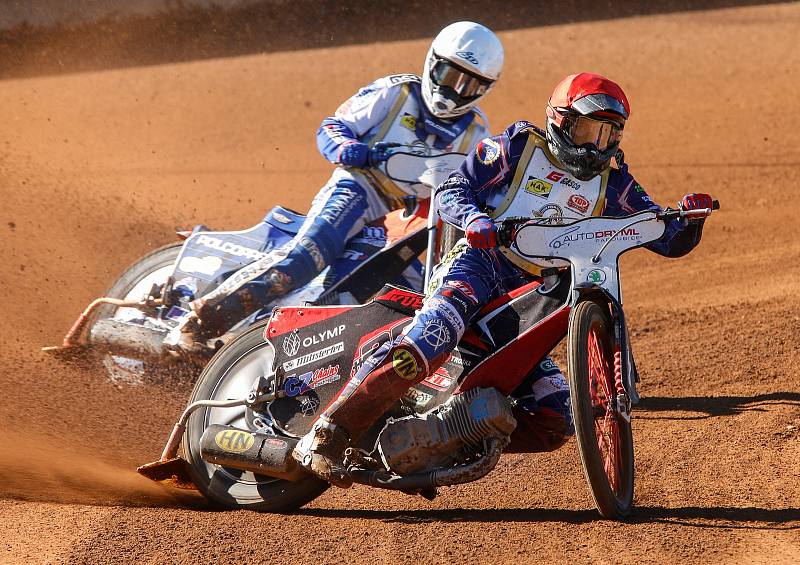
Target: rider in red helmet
{"type": "Point", "coordinates": [560, 175]}
{"type": "Point", "coordinates": [585, 117]}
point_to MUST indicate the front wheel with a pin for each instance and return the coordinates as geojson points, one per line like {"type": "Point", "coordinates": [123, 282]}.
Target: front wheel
{"type": "Point", "coordinates": [605, 439]}
{"type": "Point", "coordinates": [231, 374]}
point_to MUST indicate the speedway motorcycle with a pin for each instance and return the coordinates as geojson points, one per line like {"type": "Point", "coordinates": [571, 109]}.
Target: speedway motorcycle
{"type": "Point", "coordinates": [264, 390]}
{"type": "Point", "coordinates": [134, 330]}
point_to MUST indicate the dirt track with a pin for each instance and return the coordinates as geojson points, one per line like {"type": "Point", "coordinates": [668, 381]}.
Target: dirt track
{"type": "Point", "coordinates": [96, 169]}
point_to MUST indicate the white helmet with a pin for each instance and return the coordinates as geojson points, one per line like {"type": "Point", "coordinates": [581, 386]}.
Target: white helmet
{"type": "Point", "coordinates": [462, 64]}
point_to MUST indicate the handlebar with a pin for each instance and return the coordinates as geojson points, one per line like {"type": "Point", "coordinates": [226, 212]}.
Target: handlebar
{"type": "Point", "coordinates": [671, 213]}
{"type": "Point", "coordinates": [508, 226]}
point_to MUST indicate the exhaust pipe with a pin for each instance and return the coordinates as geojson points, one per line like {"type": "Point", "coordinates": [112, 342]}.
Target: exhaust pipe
{"type": "Point", "coordinates": [255, 452]}
{"type": "Point", "coordinates": [124, 338]}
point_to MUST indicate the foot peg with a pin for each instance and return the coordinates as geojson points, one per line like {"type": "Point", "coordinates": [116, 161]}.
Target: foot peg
{"type": "Point", "coordinates": [321, 451]}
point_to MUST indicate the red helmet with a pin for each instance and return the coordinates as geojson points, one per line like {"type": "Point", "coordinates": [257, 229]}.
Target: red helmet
{"type": "Point", "coordinates": [585, 117]}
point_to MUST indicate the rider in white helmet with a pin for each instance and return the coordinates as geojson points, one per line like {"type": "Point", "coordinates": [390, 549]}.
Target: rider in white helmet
{"type": "Point", "coordinates": [462, 65]}
{"type": "Point", "coordinates": [436, 113]}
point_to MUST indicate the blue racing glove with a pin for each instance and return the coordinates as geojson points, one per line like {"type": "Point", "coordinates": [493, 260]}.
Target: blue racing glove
{"type": "Point", "coordinates": [481, 233]}
{"type": "Point", "coordinates": [357, 154]}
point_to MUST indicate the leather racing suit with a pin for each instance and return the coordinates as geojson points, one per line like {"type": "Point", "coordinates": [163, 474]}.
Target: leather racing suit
{"type": "Point", "coordinates": [512, 174]}
{"type": "Point", "coordinates": [388, 110]}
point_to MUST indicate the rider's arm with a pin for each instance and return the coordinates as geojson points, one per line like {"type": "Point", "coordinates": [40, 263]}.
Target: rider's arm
{"type": "Point", "coordinates": [625, 196]}
{"type": "Point", "coordinates": [357, 116]}
{"type": "Point", "coordinates": [491, 166]}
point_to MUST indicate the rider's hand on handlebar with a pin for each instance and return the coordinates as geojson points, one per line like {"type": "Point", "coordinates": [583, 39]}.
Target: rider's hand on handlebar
{"type": "Point", "coordinates": [379, 152]}
{"type": "Point", "coordinates": [481, 233]}
{"type": "Point", "coordinates": [696, 202]}
{"type": "Point", "coordinates": [357, 154]}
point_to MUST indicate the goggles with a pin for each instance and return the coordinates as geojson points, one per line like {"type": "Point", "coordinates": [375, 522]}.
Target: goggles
{"type": "Point", "coordinates": [466, 85]}
{"type": "Point", "coordinates": [583, 129]}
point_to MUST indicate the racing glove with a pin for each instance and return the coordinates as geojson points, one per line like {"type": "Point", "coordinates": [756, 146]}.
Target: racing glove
{"type": "Point", "coordinates": [696, 202]}
{"type": "Point", "coordinates": [357, 154]}
{"type": "Point", "coordinates": [481, 233]}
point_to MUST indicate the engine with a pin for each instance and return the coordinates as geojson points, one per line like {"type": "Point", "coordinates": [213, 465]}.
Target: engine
{"type": "Point", "coordinates": [453, 433]}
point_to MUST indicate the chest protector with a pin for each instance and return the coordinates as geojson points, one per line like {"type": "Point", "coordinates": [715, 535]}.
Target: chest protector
{"type": "Point", "coordinates": [400, 126]}
{"type": "Point", "coordinates": [541, 189]}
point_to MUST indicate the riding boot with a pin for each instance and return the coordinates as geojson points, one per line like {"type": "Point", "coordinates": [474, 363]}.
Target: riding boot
{"type": "Point", "coordinates": [215, 319]}
{"type": "Point", "coordinates": [378, 384]}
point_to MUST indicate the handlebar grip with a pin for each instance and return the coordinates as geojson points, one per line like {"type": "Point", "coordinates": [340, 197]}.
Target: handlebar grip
{"type": "Point", "coordinates": [715, 205]}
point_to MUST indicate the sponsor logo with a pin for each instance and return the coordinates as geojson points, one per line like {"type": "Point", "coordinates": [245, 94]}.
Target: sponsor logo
{"type": "Point", "coordinates": [554, 176]}
{"type": "Point", "coordinates": [314, 356]}
{"type": "Point", "coordinates": [369, 346]}
{"type": "Point", "coordinates": [234, 441]}
{"type": "Point", "coordinates": [291, 344]}
{"type": "Point", "coordinates": [351, 255]}
{"type": "Point", "coordinates": [436, 334]}
{"type": "Point", "coordinates": [450, 294]}
{"type": "Point", "coordinates": [336, 210]}
{"type": "Point", "coordinates": [407, 299]}
{"type": "Point", "coordinates": [465, 288]}
{"type": "Point", "coordinates": [440, 380]}
{"type": "Point", "coordinates": [538, 187]}
{"type": "Point", "coordinates": [451, 315]}
{"type": "Point", "coordinates": [228, 247]}
{"type": "Point", "coordinates": [281, 218]}
{"type": "Point", "coordinates": [404, 364]}
{"type": "Point", "coordinates": [296, 386]}
{"type": "Point", "coordinates": [569, 236]}
{"type": "Point", "coordinates": [418, 398]}
{"type": "Point", "coordinates": [309, 405]}
{"type": "Point", "coordinates": [578, 203]}
{"type": "Point", "coordinates": [397, 79]}
{"type": "Point", "coordinates": [570, 183]}
{"type": "Point", "coordinates": [596, 276]}
{"type": "Point", "coordinates": [207, 265]}
{"type": "Point", "coordinates": [371, 236]}
{"type": "Point", "coordinates": [468, 56]}
{"type": "Point", "coordinates": [549, 214]}
{"type": "Point", "coordinates": [323, 336]}
{"type": "Point", "coordinates": [276, 443]}
{"type": "Point", "coordinates": [308, 244]}
{"type": "Point", "coordinates": [408, 121]}
{"type": "Point", "coordinates": [487, 151]}
{"type": "Point", "coordinates": [638, 187]}
{"type": "Point", "coordinates": [548, 365]}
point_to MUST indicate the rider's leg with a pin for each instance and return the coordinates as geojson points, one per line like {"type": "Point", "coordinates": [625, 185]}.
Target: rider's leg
{"type": "Point", "coordinates": [543, 413]}
{"type": "Point", "coordinates": [337, 213]}
{"type": "Point", "coordinates": [475, 277]}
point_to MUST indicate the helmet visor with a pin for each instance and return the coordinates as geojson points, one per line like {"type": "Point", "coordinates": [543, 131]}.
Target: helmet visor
{"type": "Point", "coordinates": [600, 133]}
{"type": "Point", "coordinates": [466, 85]}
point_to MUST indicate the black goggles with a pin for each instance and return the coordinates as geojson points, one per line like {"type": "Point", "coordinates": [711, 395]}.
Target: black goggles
{"type": "Point", "coordinates": [466, 85]}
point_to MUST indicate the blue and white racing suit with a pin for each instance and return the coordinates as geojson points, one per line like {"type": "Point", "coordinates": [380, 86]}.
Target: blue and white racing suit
{"type": "Point", "coordinates": [388, 110]}
{"type": "Point", "coordinates": [514, 174]}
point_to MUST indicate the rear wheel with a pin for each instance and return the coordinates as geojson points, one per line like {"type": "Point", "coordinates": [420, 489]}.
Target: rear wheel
{"type": "Point", "coordinates": [231, 374]}
{"type": "Point", "coordinates": [605, 439]}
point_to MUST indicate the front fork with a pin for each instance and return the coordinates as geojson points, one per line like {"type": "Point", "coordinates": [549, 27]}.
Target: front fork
{"type": "Point", "coordinates": [625, 374]}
